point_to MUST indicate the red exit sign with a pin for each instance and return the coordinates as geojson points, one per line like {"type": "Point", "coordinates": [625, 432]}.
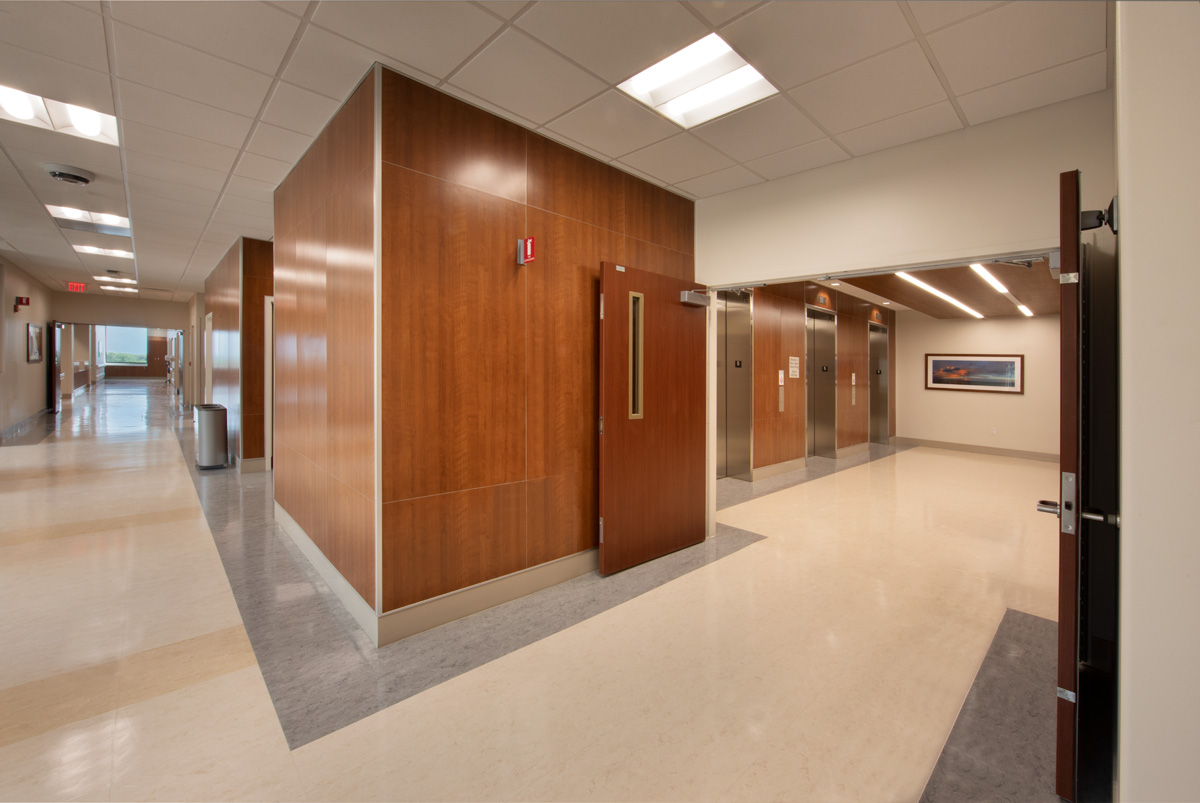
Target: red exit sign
{"type": "Point", "coordinates": [76, 287]}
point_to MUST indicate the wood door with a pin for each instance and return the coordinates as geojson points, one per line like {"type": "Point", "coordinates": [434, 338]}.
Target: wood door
{"type": "Point", "coordinates": [53, 357]}
{"type": "Point", "coordinates": [1090, 497]}
{"type": "Point", "coordinates": [652, 405]}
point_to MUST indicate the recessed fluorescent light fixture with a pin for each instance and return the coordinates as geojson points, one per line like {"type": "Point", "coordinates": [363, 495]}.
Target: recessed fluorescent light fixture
{"type": "Point", "coordinates": [120, 289]}
{"type": "Point", "coordinates": [1000, 288]}
{"type": "Point", "coordinates": [107, 252]}
{"type": "Point", "coordinates": [704, 80]}
{"type": "Point", "coordinates": [99, 218]}
{"type": "Point", "coordinates": [114, 279]}
{"type": "Point", "coordinates": [54, 115]}
{"type": "Point", "coordinates": [943, 296]}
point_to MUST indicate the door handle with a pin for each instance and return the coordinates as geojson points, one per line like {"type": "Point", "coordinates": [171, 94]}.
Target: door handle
{"type": "Point", "coordinates": [1097, 515]}
{"type": "Point", "coordinates": [1047, 506]}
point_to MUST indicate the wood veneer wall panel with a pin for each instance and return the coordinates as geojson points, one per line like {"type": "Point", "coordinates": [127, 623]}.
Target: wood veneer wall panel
{"type": "Point", "coordinates": [563, 392]}
{"type": "Point", "coordinates": [793, 334]}
{"type": "Point", "coordinates": [768, 346]}
{"type": "Point", "coordinates": [853, 409]}
{"type": "Point", "coordinates": [324, 335]}
{"type": "Point", "coordinates": [438, 544]}
{"type": "Point", "coordinates": [659, 216]}
{"type": "Point", "coordinates": [350, 370]}
{"type": "Point", "coordinates": [453, 337]}
{"type": "Point", "coordinates": [657, 259]}
{"type": "Point", "coordinates": [221, 299]}
{"type": "Point", "coordinates": [435, 134]}
{"type": "Point", "coordinates": [570, 184]}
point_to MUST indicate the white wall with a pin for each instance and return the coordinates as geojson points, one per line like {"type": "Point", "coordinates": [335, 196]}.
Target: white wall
{"type": "Point", "coordinates": [103, 310]}
{"type": "Point", "coordinates": [1025, 423]}
{"type": "Point", "coordinates": [986, 190]}
{"type": "Point", "coordinates": [1158, 172]}
{"type": "Point", "coordinates": [22, 384]}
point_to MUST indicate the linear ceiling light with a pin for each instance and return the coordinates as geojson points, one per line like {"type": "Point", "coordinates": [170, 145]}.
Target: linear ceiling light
{"type": "Point", "coordinates": [930, 289]}
{"type": "Point", "coordinates": [54, 115]}
{"type": "Point", "coordinates": [106, 252]}
{"type": "Point", "coordinates": [114, 279]}
{"type": "Point", "coordinates": [1000, 288]}
{"type": "Point", "coordinates": [704, 80]}
{"type": "Point", "coordinates": [120, 289]}
{"type": "Point", "coordinates": [101, 218]}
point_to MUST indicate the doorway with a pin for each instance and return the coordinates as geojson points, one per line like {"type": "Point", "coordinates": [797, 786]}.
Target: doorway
{"type": "Point", "coordinates": [208, 366]}
{"type": "Point", "coordinates": [821, 362]}
{"type": "Point", "coordinates": [269, 381]}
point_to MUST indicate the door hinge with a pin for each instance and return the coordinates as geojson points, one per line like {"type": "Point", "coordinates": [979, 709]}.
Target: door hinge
{"type": "Point", "coordinates": [1063, 694]}
{"type": "Point", "coordinates": [601, 425]}
{"type": "Point", "coordinates": [602, 306]}
{"type": "Point", "coordinates": [1068, 278]}
{"type": "Point", "coordinates": [602, 529]}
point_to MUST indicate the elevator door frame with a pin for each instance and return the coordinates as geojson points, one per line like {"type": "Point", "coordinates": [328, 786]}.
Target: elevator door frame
{"type": "Point", "coordinates": [877, 389]}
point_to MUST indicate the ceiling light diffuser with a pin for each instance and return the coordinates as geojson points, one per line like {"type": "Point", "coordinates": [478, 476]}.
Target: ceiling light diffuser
{"type": "Point", "coordinates": [120, 289]}
{"type": "Point", "coordinates": [54, 115]}
{"type": "Point", "coordinates": [943, 296]}
{"type": "Point", "coordinates": [108, 252]}
{"type": "Point", "coordinates": [703, 81]}
{"type": "Point", "coordinates": [114, 279]}
{"type": "Point", "coordinates": [103, 218]}
{"type": "Point", "coordinates": [1000, 288]}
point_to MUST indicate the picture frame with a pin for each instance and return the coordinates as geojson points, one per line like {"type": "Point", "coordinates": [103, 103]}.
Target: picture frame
{"type": "Point", "coordinates": [33, 351]}
{"type": "Point", "coordinates": [975, 373]}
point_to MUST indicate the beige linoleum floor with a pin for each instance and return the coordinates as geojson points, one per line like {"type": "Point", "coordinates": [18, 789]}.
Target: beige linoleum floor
{"type": "Point", "coordinates": [826, 662]}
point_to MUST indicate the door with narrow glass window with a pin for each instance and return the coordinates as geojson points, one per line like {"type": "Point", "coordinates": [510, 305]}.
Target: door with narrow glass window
{"type": "Point", "coordinates": [652, 404]}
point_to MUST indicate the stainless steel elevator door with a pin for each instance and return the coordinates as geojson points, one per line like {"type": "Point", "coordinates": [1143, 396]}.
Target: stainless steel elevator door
{"type": "Point", "coordinates": [739, 384]}
{"type": "Point", "coordinates": [821, 429]}
{"type": "Point", "coordinates": [877, 374]}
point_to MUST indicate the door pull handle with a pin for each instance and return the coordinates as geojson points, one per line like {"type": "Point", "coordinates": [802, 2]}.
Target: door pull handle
{"type": "Point", "coordinates": [1046, 506]}
{"type": "Point", "coordinates": [1098, 515]}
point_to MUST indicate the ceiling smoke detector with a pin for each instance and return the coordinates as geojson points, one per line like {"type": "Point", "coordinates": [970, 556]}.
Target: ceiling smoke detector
{"type": "Point", "coordinates": [71, 175]}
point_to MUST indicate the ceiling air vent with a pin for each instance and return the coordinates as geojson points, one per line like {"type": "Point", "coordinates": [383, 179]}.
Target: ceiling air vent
{"type": "Point", "coordinates": [71, 175]}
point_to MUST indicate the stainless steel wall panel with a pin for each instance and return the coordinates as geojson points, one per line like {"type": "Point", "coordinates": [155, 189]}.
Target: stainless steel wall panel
{"type": "Point", "coordinates": [739, 385]}
{"type": "Point", "coordinates": [822, 383]}
{"type": "Point", "coordinates": [877, 344]}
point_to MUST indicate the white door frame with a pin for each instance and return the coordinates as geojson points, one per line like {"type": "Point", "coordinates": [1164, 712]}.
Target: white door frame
{"type": "Point", "coordinates": [269, 381]}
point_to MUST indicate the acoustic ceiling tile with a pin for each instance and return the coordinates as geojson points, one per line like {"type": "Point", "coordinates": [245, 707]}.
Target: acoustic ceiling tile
{"type": "Point", "coordinates": [719, 12]}
{"type": "Point", "coordinates": [1082, 77]}
{"type": "Point", "coordinates": [326, 63]}
{"type": "Point", "coordinates": [254, 35]}
{"type": "Point", "coordinates": [677, 159]}
{"type": "Point", "coordinates": [928, 122]}
{"type": "Point", "coordinates": [433, 37]}
{"type": "Point", "coordinates": [178, 147]}
{"type": "Point", "coordinates": [791, 43]}
{"type": "Point", "coordinates": [299, 110]}
{"type": "Point", "coordinates": [263, 168]}
{"type": "Point", "coordinates": [727, 180]}
{"type": "Point", "coordinates": [613, 124]}
{"type": "Point", "coordinates": [278, 143]}
{"type": "Point", "coordinates": [160, 109]}
{"type": "Point", "coordinates": [255, 190]}
{"type": "Point", "coordinates": [506, 69]}
{"type": "Point", "coordinates": [892, 83]}
{"type": "Point", "coordinates": [153, 61]}
{"type": "Point", "coordinates": [934, 14]}
{"type": "Point", "coordinates": [245, 206]}
{"type": "Point", "coordinates": [646, 32]}
{"type": "Point", "coordinates": [1017, 39]}
{"type": "Point", "coordinates": [797, 160]}
{"type": "Point", "coordinates": [56, 79]}
{"type": "Point", "coordinates": [766, 127]}
{"type": "Point", "coordinates": [58, 30]}
{"type": "Point", "coordinates": [169, 170]}
{"type": "Point", "coordinates": [142, 188]}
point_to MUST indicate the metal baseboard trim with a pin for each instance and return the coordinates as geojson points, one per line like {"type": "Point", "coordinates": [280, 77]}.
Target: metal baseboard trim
{"type": "Point", "coordinates": [857, 448]}
{"type": "Point", "coordinates": [252, 465]}
{"type": "Point", "coordinates": [428, 614]}
{"type": "Point", "coordinates": [1046, 457]}
{"type": "Point", "coordinates": [777, 469]}
{"type": "Point", "coordinates": [363, 613]}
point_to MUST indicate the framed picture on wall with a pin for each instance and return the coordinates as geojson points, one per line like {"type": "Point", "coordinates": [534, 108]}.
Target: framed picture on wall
{"type": "Point", "coordinates": [989, 373]}
{"type": "Point", "coordinates": [34, 348]}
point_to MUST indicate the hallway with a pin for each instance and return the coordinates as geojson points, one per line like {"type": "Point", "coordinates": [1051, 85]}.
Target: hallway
{"type": "Point", "coordinates": [820, 647]}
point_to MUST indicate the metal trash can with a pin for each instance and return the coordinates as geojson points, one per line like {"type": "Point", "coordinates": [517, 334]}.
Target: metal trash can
{"type": "Point", "coordinates": [212, 439]}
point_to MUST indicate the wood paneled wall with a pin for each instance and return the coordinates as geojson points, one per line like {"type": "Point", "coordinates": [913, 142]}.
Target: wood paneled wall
{"type": "Point", "coordinates": [490, 394]}
{"type": "Point", "coordinates": [234, 294]}
{"type": "Point", "coordinates": [324, 280]}
{"type": "Point", "coordinates": [779, 333]}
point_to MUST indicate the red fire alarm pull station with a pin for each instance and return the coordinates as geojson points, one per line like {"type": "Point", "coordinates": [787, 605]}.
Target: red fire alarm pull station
{"type": "Point", "coordinates": [525, 251]}
{"type": "Point", "coordinates": [21, 301]}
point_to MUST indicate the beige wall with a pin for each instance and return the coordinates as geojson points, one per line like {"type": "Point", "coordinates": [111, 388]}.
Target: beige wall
{"type": "Point", "coordinates": [89, 308]}
{"type": "Point", "coordinates": [989, 189]}
{"type": "Point", "coordinates": [1158, 170]}
{"type": "Point", "coordinates": [1026, 422]}
{"type": "Point", "coordinates": [22, 384]}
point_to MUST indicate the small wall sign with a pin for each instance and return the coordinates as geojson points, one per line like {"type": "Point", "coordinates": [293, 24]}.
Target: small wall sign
{"type": "Point", "coordinates": [525, 252]}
